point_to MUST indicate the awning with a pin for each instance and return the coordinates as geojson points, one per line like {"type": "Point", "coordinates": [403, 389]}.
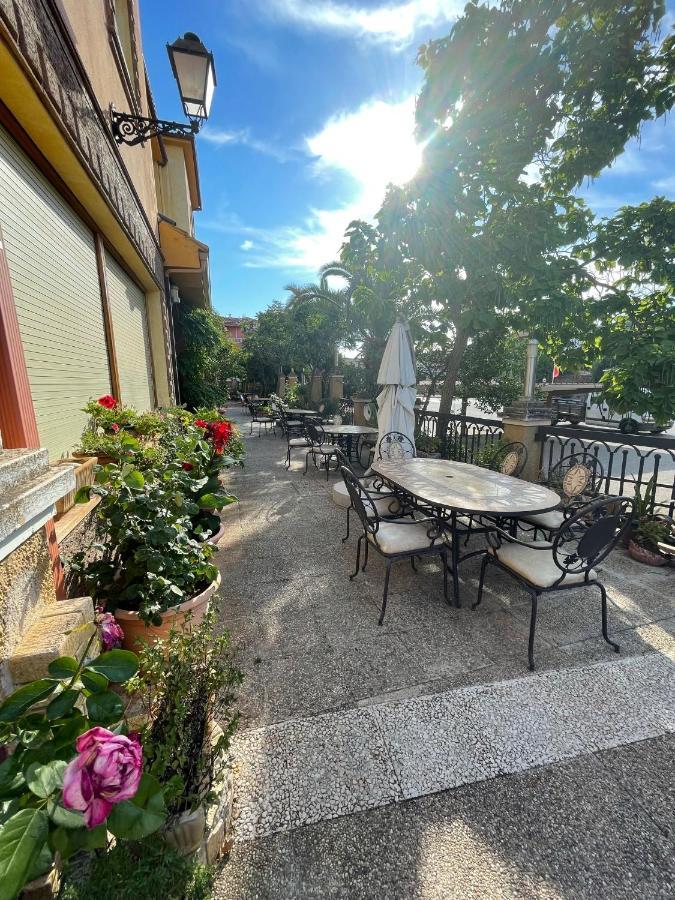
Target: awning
{"type": "Point", "coordinates": [187, 263]}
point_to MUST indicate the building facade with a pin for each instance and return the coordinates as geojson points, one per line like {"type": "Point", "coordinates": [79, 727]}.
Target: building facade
{"type": "Point", "coordinates": [235, 327]}
{"type": "Point", "coordinates": [96, 239]}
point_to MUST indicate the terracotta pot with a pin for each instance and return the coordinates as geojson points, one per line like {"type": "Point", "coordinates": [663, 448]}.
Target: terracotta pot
{"type": "Point", "coordinates": [187, 832]}
{"type": "Point", "coordinates": [83, 470]}
{"type": "Point", "coordinates": [648, 557]}
{"type": "Point", "coordinates": [102, 458]}
{"type": "Point", "coordinates": [135, 629]}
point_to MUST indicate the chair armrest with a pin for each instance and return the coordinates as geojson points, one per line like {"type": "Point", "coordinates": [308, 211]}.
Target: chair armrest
{"type": "Point", "coordinates": [495, 535]}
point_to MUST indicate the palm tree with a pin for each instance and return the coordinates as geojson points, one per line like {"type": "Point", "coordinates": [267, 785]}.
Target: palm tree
{"type": "Point", "coordinates": [337, 300]}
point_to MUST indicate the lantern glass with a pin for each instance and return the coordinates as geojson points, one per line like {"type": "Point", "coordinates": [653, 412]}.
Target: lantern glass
{"type": "Point", "coordinates": [194, 71]}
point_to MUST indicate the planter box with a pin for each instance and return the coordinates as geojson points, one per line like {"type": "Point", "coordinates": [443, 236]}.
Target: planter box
{"type": "Point", "coordinates": [83, 470]}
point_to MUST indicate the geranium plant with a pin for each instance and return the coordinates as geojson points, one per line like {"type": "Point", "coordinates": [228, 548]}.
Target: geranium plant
{"type": "Point", "coordinates": [147, 559]}
{"type": "Point", "coordinates": [71, 771]}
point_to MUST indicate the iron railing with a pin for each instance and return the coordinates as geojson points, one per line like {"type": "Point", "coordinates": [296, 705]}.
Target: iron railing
{"type": "Point", "coordinates": [465, 438]}
{"type": "Point", "coordinates": [628, 461]}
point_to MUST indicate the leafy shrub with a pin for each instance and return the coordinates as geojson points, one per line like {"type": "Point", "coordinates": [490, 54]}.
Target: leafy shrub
{"type": "Point", "coordinates": [207, 357]}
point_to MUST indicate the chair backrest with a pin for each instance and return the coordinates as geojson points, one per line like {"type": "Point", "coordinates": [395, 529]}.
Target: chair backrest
{"type": "Point", "coordinates": [578, 475]}
{"type": "Point", "coordinates": [588, 536]}
{"type": "Point", "coordinates": [509, 459]}
{"type": "Point", "coordinates": [343, 461]}
{"type": "Point", "coordinates": [315, 432]}
{"type": "Point", "coordinates": [395, 445]}
{"type": "Point", "coordinates": [253, 410]}
{"type": "Point", "coordinates": [361, 501]}
{"type": "Point", "coordinates": [337, 419]}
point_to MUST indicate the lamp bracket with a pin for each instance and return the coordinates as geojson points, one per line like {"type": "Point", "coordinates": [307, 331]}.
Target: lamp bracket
{"type": "Point", "coordinates": [133, 130]}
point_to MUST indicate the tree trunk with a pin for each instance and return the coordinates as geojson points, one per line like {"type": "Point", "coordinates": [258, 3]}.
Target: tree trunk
{"type": "Point", "coordinates": [430, 393]}
{"type": "Point", "coordinates": [452, 365]}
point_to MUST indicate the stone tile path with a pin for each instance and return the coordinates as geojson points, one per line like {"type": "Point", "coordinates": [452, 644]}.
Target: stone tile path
{"type": "Point", "coordinates": [342, 718]}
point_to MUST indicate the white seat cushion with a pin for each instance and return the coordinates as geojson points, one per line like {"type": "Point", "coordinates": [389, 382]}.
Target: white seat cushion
{"type": "Point", "coordinates": [395, 537]}
{"type": "Point", "coordinates": [383, 505]}
{"type": "Point", "coordinates": [551, 521]}
{"type": "Point", "coordinates": [298, 442]}
{"type": "Point", "coordinates": [536, 566]}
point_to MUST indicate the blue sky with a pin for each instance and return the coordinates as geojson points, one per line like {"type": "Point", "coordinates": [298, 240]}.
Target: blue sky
{"type": "Point", "coordinates": [312, 116]}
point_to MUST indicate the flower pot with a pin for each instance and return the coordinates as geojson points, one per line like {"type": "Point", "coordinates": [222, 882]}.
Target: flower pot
{"type": "Point", "coordinates": [102, 458]}
{"type": "Point", "coordinates": [83, 470]}
{"type": "Point", "coordinates": [217, 536]}
{"type": "Point", "coordinates": [187, 832]}
{"type": "Point", "coordinates": [136, 630]}
{"type": "Point", "coordinates": [643, 555]}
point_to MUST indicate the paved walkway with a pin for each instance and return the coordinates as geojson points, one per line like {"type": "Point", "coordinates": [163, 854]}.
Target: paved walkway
{"type": "Point", "coordinates": [348, 725]}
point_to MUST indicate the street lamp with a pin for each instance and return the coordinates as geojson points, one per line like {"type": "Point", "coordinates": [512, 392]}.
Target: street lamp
{"type": "Point", "coordinates": [193, 69]}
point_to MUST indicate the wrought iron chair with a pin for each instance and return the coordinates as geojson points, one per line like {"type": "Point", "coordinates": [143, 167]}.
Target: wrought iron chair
{"type": "Point", "coordinates": [577, 478]}
{"type": "Point", "coordinates": [395, 445]}
{"type": "Point", "coordinates": [583, 540]}
{"type": "Point", "coordinates": [385, 501]}
{"type": "Point", "coordinates": [401, 539]}
{"type": "Point", "coordinates": [318, 447]}
{"type": "Point", "coordinates": [257, 418]}
{"type": "Point", "coordinates": [509, 459]}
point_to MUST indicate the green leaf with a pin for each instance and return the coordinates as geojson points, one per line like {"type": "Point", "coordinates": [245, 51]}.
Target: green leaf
{"type": "Point", "coordinates": [117, 665]}
{"type": "Point", "coordinates": [65, 818]}
{"type": "Point", "coordinates": [137, 818]}
{"type": "Point", "coordinates": [21, 840]}
{"type": "Point", "coordinates": [105, 708]}
{"type": "Point", "coordinates": [83, 494]}
{"type": "Point", "coordinates": [94, 682]}
{"type": "Point", "coordinates": [210, 501]}
{"type": "Point", "coordinates": [18, 702]}
{"type": "Point", "coordinates": [44, 780]}
{"type": "Point", "coordinates": [63, 667]}
{"type": "Point", "coordinates": [134, 480]}
{"type": "Point", "coordinates": [62, 704]}
{"type": "Point", "coordinates": [42, 863]}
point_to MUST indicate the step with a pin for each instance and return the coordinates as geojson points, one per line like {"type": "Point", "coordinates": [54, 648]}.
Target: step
{"type": "Point", "coordinates": [308, 770]}
{"type": "Point", "coordinates": [28, 504]}
{"type": "Point", "coordinates": [17, 466]}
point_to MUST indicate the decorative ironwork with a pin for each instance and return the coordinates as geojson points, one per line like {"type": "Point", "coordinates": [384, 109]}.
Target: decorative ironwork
{"type": "Point", "coordinates": [629, 462]}
{"type": "Point", "coordinates": [395, 445]}
{"type": "Point", "coordinates": [466, 437]}
{"type": "Point", "coordinates": [132, 130]}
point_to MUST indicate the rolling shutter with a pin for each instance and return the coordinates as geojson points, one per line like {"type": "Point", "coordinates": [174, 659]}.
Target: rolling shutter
{"type": "Point", "coordinates": [132, 339]}
{"type": "Point", "coordinates": [52, 266]}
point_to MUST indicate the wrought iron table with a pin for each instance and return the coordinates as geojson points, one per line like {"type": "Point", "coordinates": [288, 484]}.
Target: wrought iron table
{"type": "Point", "coordinates": [301, 413]}
{"type": "Point", "coordinates": [450, 489]}
{"type": "Point", "coordinates": [347, 433]}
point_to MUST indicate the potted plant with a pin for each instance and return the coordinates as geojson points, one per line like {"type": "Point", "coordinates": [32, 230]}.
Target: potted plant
{"type": "Point", "coordinates": [145, 565]}
{"type": "Point", "coordinates": [649, 532]}
{"type": "Point", "coordinates": [427, 446]}
{"type": "Point", "coordinates": [69, 770]}
{"type": "Point", "coordinates": [186, 689]}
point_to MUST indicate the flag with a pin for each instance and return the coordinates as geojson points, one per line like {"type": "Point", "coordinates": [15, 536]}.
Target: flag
{"type": "Point", "coordinates": [556, 372]}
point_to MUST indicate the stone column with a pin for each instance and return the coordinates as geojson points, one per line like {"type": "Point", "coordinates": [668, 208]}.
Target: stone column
{"type": "Point", "coordinates": [335, 387]}
{"type": "Point", "coordinates": [359, 412]}
{"type": "Point", "coordinates": [316, 390]}
{"type": "Point", "coordinates": [281, 384]}
{"type": "Point", "coordinates": [522, 419]}
{"type": "Point", "coordinates": [292, 379]}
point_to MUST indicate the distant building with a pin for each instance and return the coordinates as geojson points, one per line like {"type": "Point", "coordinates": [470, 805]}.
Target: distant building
{"type": "Point", "coordinates": [235, 326]}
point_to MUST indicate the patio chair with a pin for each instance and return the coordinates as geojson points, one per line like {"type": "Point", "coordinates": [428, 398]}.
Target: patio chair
{"type": "Point", "coordinates": [395, 445]}
{"type": "Point", "coordinates": [577, 478]}
{"type": "Point", "coordinates": [319, 448]}
{"type": "Point", "coordinates": [509, 459]}
{"type": "Point", "coordinates": [400, 539]}
{"type": "Point", "coordinates": [296, 438]}
{"type": "Point", "coordinates": [566, 563]}
{"type": "Point", "coordinates": [385, 501]}
{"type": "Point", "coordinates": [257, 418]}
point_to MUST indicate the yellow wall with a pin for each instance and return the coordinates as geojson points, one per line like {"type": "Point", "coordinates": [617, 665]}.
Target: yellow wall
{"type": "Point", "coordinates": [88, 24]}
{"type": "Point", "coordinates": [173, 189]}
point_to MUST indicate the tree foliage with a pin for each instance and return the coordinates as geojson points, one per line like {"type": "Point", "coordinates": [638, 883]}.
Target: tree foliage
{"type": "Point", "coordinates": [207, 357]}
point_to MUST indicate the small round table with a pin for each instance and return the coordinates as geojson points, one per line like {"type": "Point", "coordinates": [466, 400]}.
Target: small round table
{"type": "Point", "coordinates": [347, 433]}
{"type": "Point", "coordinates": [300, 413]}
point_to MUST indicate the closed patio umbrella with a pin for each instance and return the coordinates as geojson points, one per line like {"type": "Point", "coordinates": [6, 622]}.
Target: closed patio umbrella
{"type": "Point", "coordinates": [396, 402]}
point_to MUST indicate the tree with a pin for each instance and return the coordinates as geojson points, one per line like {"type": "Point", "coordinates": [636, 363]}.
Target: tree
{"type": "Point", "coordinates": [207, 357]}
{"type": "Point", "coordinates": [520, 103]}
{"type": "Point", "coordinates": [492, 371]}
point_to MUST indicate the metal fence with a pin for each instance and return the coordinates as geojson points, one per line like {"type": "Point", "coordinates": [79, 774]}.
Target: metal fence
{"type": "Point", "coordinates": [466, 437]}
{"type": "Point", "coordinates": [628, 461]}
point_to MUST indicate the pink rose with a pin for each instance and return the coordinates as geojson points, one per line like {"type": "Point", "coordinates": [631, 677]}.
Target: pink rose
{"type": "Point", "coordinates": [111, 633]}
{"type": "Point", "coordinates": [106, 771]}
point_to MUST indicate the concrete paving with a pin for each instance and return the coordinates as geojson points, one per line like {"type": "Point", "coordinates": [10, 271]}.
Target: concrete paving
{"type": "Point", "coordinates": [325, 684]}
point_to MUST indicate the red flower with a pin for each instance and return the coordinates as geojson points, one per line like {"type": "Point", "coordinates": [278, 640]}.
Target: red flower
{"type": "Point", "coordinates": [115, 427]}
{"type": "Point", "coordinates": [107, 401]}
{"type": "Point", "coordinates": [200, 423]}
{"type": "Point", "coordinates": [188, 466]}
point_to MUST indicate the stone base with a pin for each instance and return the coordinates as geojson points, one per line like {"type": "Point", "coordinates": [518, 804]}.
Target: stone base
{"type": "Point", "coordinates": [527, 410]}
{"type": "Point", "coordinates": [62, 629]}
{"type": "Point", "coordinates": [218, 834]}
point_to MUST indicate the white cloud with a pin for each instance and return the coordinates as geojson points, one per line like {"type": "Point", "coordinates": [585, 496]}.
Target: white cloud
{"type": "Point", "coordinates": [396, 23]}
{"type": "Point", "coordinates": [665, 185]}
{"type": "Point", "coordinates": [375, 145]}
{"type": "Point", "coordinates": [221, 138]}
{"type": "Point", "coordinates": [247, 245]}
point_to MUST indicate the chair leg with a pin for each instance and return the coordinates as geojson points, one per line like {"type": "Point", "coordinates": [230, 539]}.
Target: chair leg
{"type": "Point", "coordinates": [327, 458]}
{"type": "Point", "coordinates": [307, 455]}
{"type": "Point", "coordinates": [358, 558]}
{"type": "Point", "coordinates": [533, 624]}
{"type": "Point", "coordinates": [444, 560]}
{"type": "Point", "coordinates": [251, 428]}
{"type": "Point", "coordinates": [346, 537]}
{"type": "Point", "coordinates": [481, 582]}
{"type": "Point", "coordinates": [386, 590]}
{"type": "Point", "coordinates": [604, 619]}
{"type": "Point", "coordinates": [288, 457]}
{"type": "Point", "coordinates": [412, 563]}
{"type": "Point", "coordinates": [365, 558]}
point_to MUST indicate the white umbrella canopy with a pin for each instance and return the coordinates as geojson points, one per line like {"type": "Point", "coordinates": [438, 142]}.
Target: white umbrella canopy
{"type": "Point", "coordinates": [396, 402]}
